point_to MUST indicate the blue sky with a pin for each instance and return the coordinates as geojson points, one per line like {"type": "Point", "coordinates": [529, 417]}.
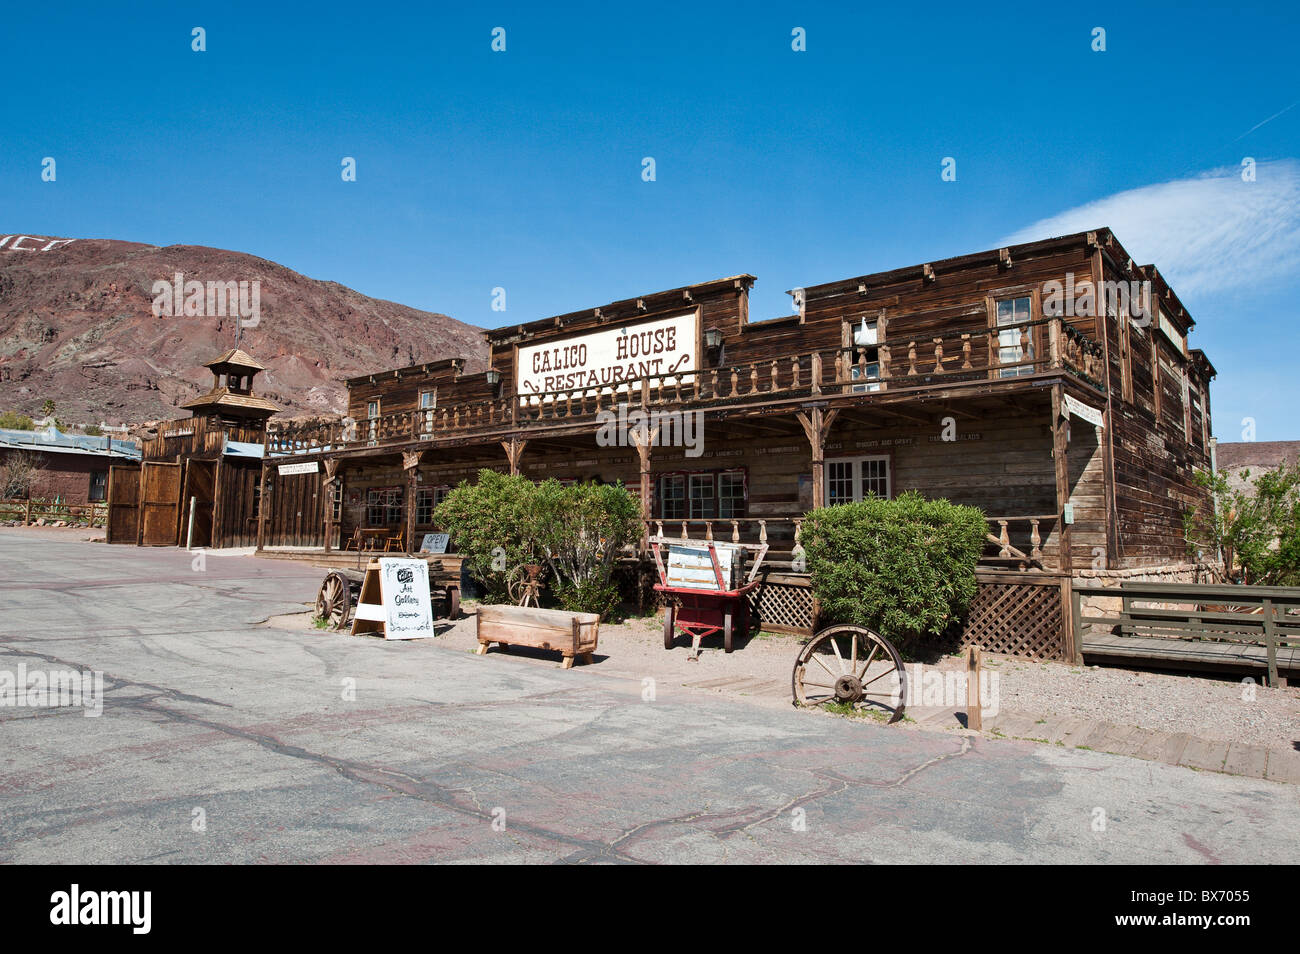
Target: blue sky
{"type": "Point", "coordinates": [522, 169]}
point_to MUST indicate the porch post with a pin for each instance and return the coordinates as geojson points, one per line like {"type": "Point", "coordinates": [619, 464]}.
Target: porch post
{"type": "Point", "coordinates": [816, 425]}
{"type": "Point", "coordinates": [411, 464]}
{"type": "Point", "coordinates": [330, 487]}
{"type": "Point", "coordinates": [644, 438]}
{"type": "Point", "coordinates": [514, 449]}
{"type": "Point", "coordinates": [1060, 455]}
{"type": "Point", "coordinates": [262, 504]}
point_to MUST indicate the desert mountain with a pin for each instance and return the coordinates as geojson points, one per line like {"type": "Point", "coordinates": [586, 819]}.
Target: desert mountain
{"type": "Point", "coordinates": [77, 326]}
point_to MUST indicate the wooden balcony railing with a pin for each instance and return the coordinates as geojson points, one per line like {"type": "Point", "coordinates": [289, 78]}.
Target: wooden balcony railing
{"type": "Point", "coordinates": [959, 356]}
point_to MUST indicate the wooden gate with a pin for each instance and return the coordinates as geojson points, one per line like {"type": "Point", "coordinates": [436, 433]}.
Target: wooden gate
{"type": "Point", "coordinates": [197, 502]}
{"type": "Point", "coordinates": [123, 496]}
{"type": "Point", "coordinates": [160, 492]}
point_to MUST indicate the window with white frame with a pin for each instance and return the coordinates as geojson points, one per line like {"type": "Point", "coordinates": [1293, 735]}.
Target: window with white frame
{"type": "Point", "coordinates": [372, 409]}
{"type": "Point", "coordinates": [1013, 316]}
{"type": "Point", "coordinates": [871, 377]}
{"type": "Point", "coordinates": [428, 400]}
{"type": "Point", "coordinates": [852, 479]}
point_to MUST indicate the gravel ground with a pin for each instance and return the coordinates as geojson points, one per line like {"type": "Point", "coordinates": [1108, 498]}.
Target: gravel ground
{"type": "Point", "coordinates": [1218, 709]}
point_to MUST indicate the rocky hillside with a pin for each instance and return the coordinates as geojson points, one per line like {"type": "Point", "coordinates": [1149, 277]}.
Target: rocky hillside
{"type": "Point", "coordinates": [77, 326]}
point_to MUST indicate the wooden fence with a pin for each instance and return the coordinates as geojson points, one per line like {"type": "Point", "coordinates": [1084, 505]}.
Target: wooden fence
{"type": "Point", "coordinates": [29, 511]}
{"type": "Point", "coordinates": [1021, 613]}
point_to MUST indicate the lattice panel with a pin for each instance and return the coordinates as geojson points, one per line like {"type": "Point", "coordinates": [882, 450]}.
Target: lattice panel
{"type": "Point", "coordinates": [1017, 619]}
{"type": "Point", "coordinates": [783, 607]}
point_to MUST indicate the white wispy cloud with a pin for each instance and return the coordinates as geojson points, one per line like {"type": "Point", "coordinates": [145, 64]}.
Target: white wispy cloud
{"type": "Point", "coordinates": [1206, 234]}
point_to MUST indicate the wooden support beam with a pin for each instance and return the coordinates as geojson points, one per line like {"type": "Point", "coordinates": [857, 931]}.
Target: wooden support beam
{"type": "Point", "coordinates": [1060, 455]}
{"type": "Point", "coordinates": [262, 505]}
{"type": "Point", "coordinates": [514, 448]}
{"type": "Point", "coordinates": [644, 438]}
{"type": "Point", "coordinates": [411, 464]}
{"type": "Point", "coordinates": [329, 487]}
{"type": "Point", "coordinates": [816, 423]}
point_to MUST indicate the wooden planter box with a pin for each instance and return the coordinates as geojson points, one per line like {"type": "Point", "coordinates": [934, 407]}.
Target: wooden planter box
{"type": "Point", "coordinates": [572, 634]}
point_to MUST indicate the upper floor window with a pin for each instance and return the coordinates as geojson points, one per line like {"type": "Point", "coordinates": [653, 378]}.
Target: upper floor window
{"type": "Point", "coordinates": [1015, 336]}
{"type": "Point", "coordinates": [372, 409]}
{"type": "Point", "coordinates": [428, 400]}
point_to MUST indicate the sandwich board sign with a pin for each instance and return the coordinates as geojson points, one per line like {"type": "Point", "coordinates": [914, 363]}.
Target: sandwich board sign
{"type": "Point", "coordinates": [435, 543]}
{"type": "Point", "coordinates": [394, 600]}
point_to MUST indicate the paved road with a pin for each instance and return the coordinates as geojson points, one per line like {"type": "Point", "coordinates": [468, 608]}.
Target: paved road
{"type": "Point", "coordinates": [211, 718]}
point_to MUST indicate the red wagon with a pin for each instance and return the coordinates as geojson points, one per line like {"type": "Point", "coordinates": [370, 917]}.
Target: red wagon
{"type": "Point", "coordinates": [710, 602]}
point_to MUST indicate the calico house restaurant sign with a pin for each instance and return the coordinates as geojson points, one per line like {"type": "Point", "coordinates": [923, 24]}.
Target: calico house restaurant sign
{"type": "Point", "coordinates": [609, 358]}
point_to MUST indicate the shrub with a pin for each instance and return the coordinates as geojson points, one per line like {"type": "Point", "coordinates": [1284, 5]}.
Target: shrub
{"type": "Point", "coordinates": [581, 530]}
{"type": "Point", "coordinates": [504, 523]}
{"type": "Point", "coordinates": [1257, 530]}
{"type": "Point", "coordinates": [493, 524]}
{"type": "Point", "coordinates": [904, 567]}
{"type": "Point", "coordinates": [12, 420]}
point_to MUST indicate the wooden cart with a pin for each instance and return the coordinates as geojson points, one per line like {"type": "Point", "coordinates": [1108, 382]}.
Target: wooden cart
{"type": "Point", "coordinates": [700, 607]}
{"type": "Point", "coordinates": [336, 601]}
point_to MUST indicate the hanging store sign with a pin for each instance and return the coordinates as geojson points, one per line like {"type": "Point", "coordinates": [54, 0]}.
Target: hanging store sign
{"type": "Point", "coordinates": [307, 467]}
{"type": "Point", "coordinates": [610, 358]}
{"type": "Point", "coordinates": [1090, 414]}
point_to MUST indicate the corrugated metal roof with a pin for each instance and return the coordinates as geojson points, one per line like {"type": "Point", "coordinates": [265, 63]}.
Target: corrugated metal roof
{"type": "Point", "coordinates": [51, 439]}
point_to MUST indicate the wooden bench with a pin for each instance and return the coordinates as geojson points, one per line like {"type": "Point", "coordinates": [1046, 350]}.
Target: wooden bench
{"type": "Point", "coordinates": [572, 634]}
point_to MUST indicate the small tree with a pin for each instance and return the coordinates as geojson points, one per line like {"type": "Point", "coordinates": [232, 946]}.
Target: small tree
{"type": "Point", "coordinates": [581, 530]}
{"type": "Point", "coordinates": [1257, 531]}
{"type": "Point", "coordinates": [494, 525]}
{"type": "Point", "coordinates": [18, 470]}
{"type": "Point", "coordinates": [904, 567]}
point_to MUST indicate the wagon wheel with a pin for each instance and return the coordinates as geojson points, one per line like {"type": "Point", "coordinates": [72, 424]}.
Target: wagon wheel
{"type": "Point", "coordinates": [334, 601]}
{"type": "Point", "coordinates": [453, 601]}
{"type": "Point", "coordinates": [727, 627]}
{"type": "Point", "coordinates": [669, 634]}
{"type": "Point", "coordinates": [851, 665]}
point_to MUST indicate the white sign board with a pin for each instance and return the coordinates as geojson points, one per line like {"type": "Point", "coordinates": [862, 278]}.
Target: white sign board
{"type": "Point", "coordinates": [404, 585]}
{"type": "Point", "coordinates": [608, 358]}
{"type": "Point", "coordinates": [434, 543]}
{"type": "Point", "coordinates": [1090, 414]}
{"type": "Point", "coordinates": [692, 567]}
{"type": "Point", "coordinates": [308, 467]}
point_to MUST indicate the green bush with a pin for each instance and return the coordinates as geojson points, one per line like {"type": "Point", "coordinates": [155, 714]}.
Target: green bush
{"type": "Point", "coordinates": [493, 524]}
{"type": "Point", "coordinates": [503, 523]}
{"type": "Point", "coordinates": [1256, 530]}
{"type": "Point", "coordinates": [581, 529]}
{"type": "Point", "coordinates": [13, 421]}
{"type": "Point", "coordinates": [904, 567]}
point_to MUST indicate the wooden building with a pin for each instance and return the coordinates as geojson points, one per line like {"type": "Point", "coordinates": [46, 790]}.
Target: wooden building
{"type": "Point", "coordinates": [1050, 384]}
{"type": "Point", "coordinates": [198, 483]}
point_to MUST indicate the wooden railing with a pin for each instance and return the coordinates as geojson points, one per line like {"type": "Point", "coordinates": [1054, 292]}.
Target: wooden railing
{"type": "Point", "coordinates": [1028, 533]}
{"type": "Point", "coordinates": [963, 355]}
{"type": "Point", "coordinates": [727, 529]}
{"type": "Point", "coordinates": [29, 511]}
{"type": "Point", "coordinates": [1223, 620]}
